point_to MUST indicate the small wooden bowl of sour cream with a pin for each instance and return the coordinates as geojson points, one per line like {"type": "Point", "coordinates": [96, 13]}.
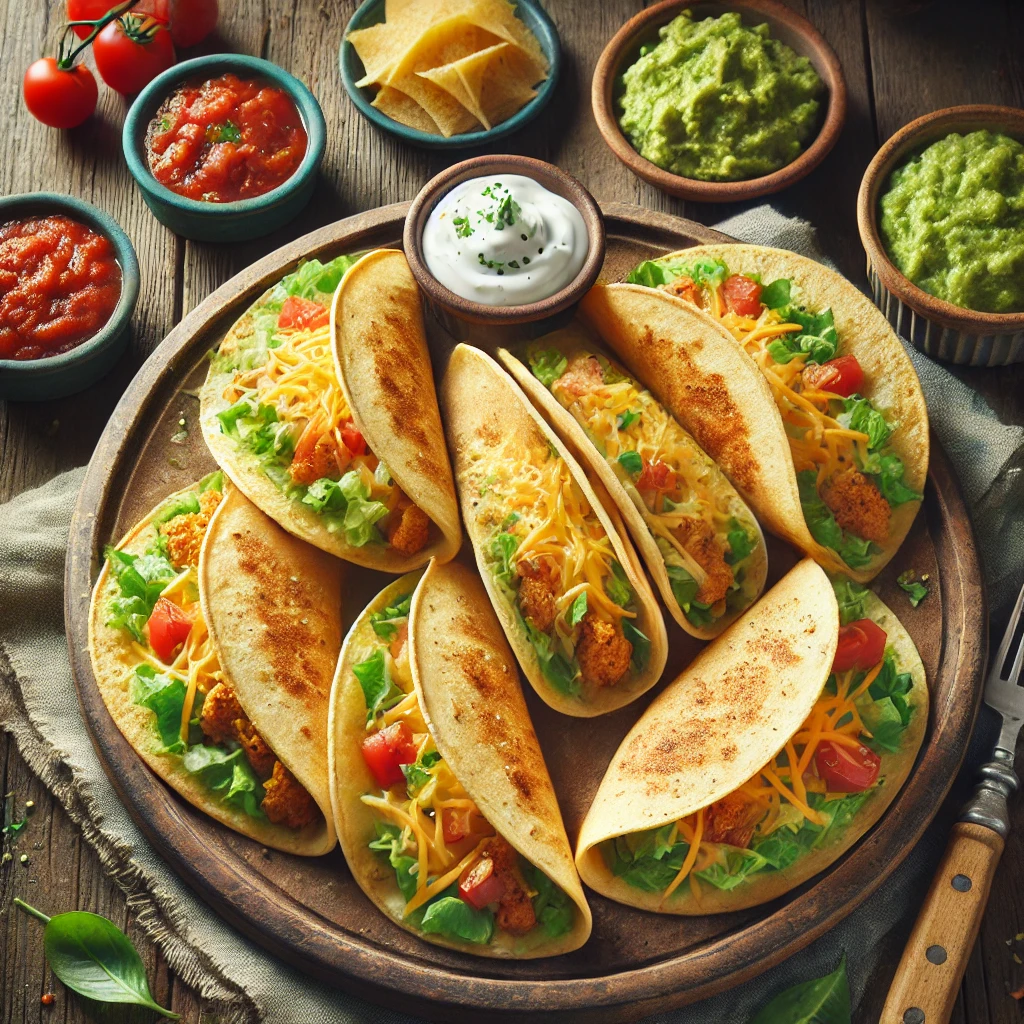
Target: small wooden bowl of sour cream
{"type": "Point", "coordinates": [504, 247]}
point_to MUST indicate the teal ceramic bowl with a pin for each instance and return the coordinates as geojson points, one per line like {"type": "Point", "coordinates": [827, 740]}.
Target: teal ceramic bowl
{"type": "Point", "coordinates": [224, 222]}
{"type": "Point", "coordinates": [69, 372]}
{"type": "Point", "coordinates": [532, 15]}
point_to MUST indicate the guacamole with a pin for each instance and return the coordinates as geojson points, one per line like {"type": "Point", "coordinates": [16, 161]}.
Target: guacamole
{"type": "Point", "coordinates": [952, 220]}
{"type": "Point", "coordinates": [719, 101]}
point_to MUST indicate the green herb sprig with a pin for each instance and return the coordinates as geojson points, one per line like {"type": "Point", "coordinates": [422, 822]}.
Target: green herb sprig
{"type": "Point", "coordinates": [819, 1001]}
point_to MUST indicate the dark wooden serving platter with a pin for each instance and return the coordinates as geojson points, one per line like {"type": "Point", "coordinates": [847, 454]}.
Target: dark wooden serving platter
{"type": "Point", "coordinates": [311, 913]}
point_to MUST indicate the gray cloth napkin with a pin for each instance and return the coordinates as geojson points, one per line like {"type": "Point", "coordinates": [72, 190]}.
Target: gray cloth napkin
{"type": "Point", "coordinates": [39, 707]}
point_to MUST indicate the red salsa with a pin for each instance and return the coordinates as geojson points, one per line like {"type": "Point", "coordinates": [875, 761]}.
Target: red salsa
{"type": "Point", "coordinates": [225, 139]}
{"type": "Point", "coordinates": [59, 284]}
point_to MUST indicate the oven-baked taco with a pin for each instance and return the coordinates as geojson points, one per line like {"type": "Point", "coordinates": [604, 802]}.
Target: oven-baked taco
{"type": "Point", "coordinates": [768, 758]}
{"type": "Point", "coordinates": [848, 406]}
{"type": "Point", "coordinates": [214, 636]}
{"type": "Point", "coordinates": [445, 809]}
{"type": "Point", "coordinates": [702, 545]}
{"type": "Point", "coordinates": [560, 570]}
{"type": "Point", "coordinates": [323, 412]}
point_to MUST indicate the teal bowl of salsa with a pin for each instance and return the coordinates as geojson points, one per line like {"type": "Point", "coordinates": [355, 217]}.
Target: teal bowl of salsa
{"type": "Point", "coordinates": [69, 281]}
{"type": "Point", "coordinates": [225, 148]}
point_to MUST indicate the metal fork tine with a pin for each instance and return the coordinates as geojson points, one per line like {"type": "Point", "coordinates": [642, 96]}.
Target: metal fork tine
{"type": "Point", "coordinates": [1018, 663]}
{"type": "Point", "coordinates": [1004, 647]}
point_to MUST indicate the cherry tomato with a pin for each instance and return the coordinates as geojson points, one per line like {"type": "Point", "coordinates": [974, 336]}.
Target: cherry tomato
{"type": "Point", "coordinates": [354, 441]}
{"type": "Point", "coordinates": [479, 885]}
{"type": "Point", "coordinates": [861, 646]}
{"type": "Point", "coordinates": [302, 313]}
{"type": "Point", "coordinates": [89, 10]}
{"type": "Point", "coordinates": [132, 51]}
{"type": "Point", "coordinates": [841, 376]}
{"type": "Point", "coordinates": [59, 98]}
{"type": "Point", "coordinates": [386, 751]}
{"type": "Point", "coordinates": [846, 769]}
{"type": "Point", "coordinates": [656, 476]}
{"type": "Point", "coordinates": [742, 295]}
{"type": "Point", "coordinates": [169, 628]}
{"type": "Point", "coordinates": [191, 20]}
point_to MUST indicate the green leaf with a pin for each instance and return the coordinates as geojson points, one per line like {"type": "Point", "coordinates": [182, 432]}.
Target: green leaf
{"type": "Point", "coordinates": [578, 608]}
{"type": "Point", "coordinates": [212, 482]}
{"type": "Point", "coordinates": [850, 596]}
{"type": "Point", "coordinates": [854, 551]}
{"type": "Point", "coordinates": [551, 906]}
{"type": "Point", "coordinates": [617, 586]}
{"type": "Point", "coordinates": [451, 917]}
{"type": "Point", "coordinates": [185, 504]}
{"type": "Point", "coordinates": [817, 336]}
{"type": "Point", "coordinates": [641, 644]}
{"type": "Point", "coordinates": [652, 274]}
{"type": "Point", "coordinates": [548, 365]}
{"type": "Point", "coordinates": [387, 622]}
{"type": "Point", "coordinates": [821, 1001]}
{"type": "Point", "coordinates": [631, 462]}
{"type": "Point", "coordinates": [740, 544]}
{"type": "Point", "coordinates": [229, 775]}
{"type": "Point", "coordinates": [94, 958]}
{"type": "Point", "coordinates": [165, 697]}
{"type": "Point", "coordinates": [776, 295]}
{"type": "Point", "coordinates": [313, 280]}
{"type": "Point", "coordinates": [698, 614]}
{"type": "Point", "coordinates": [349, 500]}
{"type": "Point", "coordinates": [859, 414]}
{"type": "Point", "coordinates": [12, 828]}
{"type": "Point", "coordinates": [141, 579]}
{"type": "Point", "coordinates": [626, 419]}
{"type": "Point", "coordinates": [503, 548]}
{"type": "Point", "coordinates": [884, 720]}
{"type": "Point", "coordinates": [379, 689]}
{"type": "Point", "coordinates": [738, 865]}
{"type": "Point", "coordinates": [556, 669]}
{"type": "Point", "coordinates": [645, 859]}
{"type": "Point", "coordinates": [917, 589]}
{"type": "Point", "coordinates": [390, 840]}
{"type": "Point", "coordinates": [889, 480]}
{"type": "Point", "coordinates": [684, 586]}
{"type": "Point", "coordinates": [418, 774]}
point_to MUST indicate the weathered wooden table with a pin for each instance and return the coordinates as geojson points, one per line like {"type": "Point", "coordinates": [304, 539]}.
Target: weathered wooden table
{"type": "Point", "coordinates": [901, 59]}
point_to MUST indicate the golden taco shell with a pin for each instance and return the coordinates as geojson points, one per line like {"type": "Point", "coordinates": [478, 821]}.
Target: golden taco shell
{"type": "Point", "coordinates": [511, 469]}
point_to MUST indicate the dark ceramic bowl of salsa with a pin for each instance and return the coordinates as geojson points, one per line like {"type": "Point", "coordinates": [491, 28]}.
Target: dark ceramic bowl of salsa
{"type": "Point", "coordinates": [271, 195]}
{"type": "Point", "coordinates": [58, 359]}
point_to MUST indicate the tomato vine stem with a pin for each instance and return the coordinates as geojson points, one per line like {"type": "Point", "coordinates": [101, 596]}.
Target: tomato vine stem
{"type": "Point", "coordinates": [65, 57]}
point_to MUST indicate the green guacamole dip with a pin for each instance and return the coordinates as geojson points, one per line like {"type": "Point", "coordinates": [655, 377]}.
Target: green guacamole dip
{"type": "Point", "coordinates": [719, 101]}
{"type": "Point", "coordinates": [952, 220]}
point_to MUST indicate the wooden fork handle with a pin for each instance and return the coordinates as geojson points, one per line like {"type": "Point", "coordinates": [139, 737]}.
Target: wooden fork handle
{"type": "Point", "coordinates": [928, 977]}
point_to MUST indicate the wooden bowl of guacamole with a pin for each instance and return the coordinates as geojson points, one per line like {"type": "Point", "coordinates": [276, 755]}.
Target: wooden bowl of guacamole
{"type": "Point", "coordinates": [717, 101]}
{"type": "Point", "coordinates": [941, 217]}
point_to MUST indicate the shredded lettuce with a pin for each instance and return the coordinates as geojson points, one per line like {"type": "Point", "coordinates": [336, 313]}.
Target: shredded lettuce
{"type": "Point", "coordinates": [185, 504]}
{"type": "Point", "coordinates": [379, 689]}
{"type": "Point", "coordinates": [229, 775]}
{"type": "Point", "coordinates": [141, 579]}
{"type": "Point", "coordinates": [551, 906]}
{"type": "Point", "coordinates": [165, 697]}
{"type": "Point", "coordinates": [548, 365]}
{"type": "Point", "coordinates": [617, 586]}
{"type": "Point", "coordinates": [386, 622]}
{"type": "Point", "coordinates": [418, 774]}
{"type": "Point", "coordinates": [641, 644]}
{"type": "Point", "coordinates": [817, 336]}
{"type": "Point", "coordinates": [562, 674]}
{"type": "Point", "coordinates": [390, 840]}
{"type": "Point", "coordinates": [503, 548]}
{"type": "Point", "coordinates": [887, 472]}
{"type": "Point", "coordinates": [740, 543]}
{"type": "Point", "coordinates": [850, 596]}
{"type": "Point", "coordinates": [859, 414]}
{"type": "Point", "coordinates": [778, 293]}
{"type": "Point", "coordinates": [654, 273]}
{"type": "Point", "coordinates": [578, 609]}
{"type": "Point", "coordinates": [916, 589]}
{"type": "Point", "coordinates": [631, 462]}
{"type": "Point", "coordinates": [626, 419]}
{"type": "Point", "coordinates": [738, 865]}
{"type": "Point", "coordinates": [456, 919]}
{"type": "Point", "coordinates": [348, 501]}
{"type": "Point", "coordinates": [854, 551]}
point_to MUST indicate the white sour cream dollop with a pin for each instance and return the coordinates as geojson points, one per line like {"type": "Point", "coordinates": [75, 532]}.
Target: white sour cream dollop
{"type": "Point", "coordinates": [504, 240]}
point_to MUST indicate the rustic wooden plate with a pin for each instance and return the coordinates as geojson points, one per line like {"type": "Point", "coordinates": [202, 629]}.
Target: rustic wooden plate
{"type": "Point", "coordinates": [312, 914]}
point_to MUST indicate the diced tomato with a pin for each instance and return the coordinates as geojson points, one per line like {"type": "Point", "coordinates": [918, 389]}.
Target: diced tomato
{"type": "Point", "coordinates": [354, 441]}
{"type": "Point", "coordinates": [861, 646]}
{"type": "Point", "coordinates": [455, 824]}
{"type": "Point", "coordinates": [841, 376]}
{"type": "Point", "coordinates": [742, 295]}
{"type": "Point", "coordinates": [302, 313]}
{"type": "Point", "coordinates": [386, 751]}
{"type": "Point", "coordinates": [398, 642]}
{"type": "Point", "coordinates": [479, 885]}
{"type": "Point", "coordinates": [656, 476]}
{"type": "Point", "coordinates": [169, 628]}
{"type": "Point", "coordinates": [846, 769]}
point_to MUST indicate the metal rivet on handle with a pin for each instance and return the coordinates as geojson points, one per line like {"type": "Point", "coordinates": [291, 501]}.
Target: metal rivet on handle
{"type": "Point", "coordinates": [961, 883]}
{"type": "Point", "coordinates": [913, 1016]}
{"type": "Point", "coordinates": [935, 954]}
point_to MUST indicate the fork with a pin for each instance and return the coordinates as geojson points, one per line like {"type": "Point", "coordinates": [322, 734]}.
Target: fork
{"type": "Point", "coordinates": [928, 977]}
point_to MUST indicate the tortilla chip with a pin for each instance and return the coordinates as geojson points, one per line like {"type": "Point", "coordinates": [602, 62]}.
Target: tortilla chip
{"type": "Point", "coordinates": [447, 77]}
{"type": "Point", "coordinates": [500, 80]}
{"type": "Point", "coordinates": [399, 107]}
{"type": "Point", "coordinates": [499, 18]}
{"type": "Point", "coordinates": [442, 43]}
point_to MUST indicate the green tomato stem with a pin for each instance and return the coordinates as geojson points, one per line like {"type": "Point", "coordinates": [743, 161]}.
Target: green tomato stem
{"type": "Point", "coordinates": [66, 60]}
{"type": "Point", "coordinates": [31, 910]}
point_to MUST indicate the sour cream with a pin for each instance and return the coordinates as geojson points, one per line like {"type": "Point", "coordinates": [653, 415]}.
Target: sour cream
{"type": "Point", "coordinates": [504, 240]}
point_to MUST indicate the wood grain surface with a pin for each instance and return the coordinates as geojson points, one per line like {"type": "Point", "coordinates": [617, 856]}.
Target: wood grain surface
{"type": "Point", "coordinates": [900, 61]}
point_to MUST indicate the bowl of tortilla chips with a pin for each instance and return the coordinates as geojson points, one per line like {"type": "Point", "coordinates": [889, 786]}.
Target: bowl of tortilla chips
{"type": "Point", "coordinates": [450, 73]}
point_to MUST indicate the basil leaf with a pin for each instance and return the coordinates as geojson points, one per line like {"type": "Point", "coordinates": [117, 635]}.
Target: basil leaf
{"type": "Point", "coordinates": [94, 958]}
{"type": "Point", "coordinates": [379, 689]}
{"type": "Point", "coordinates": [776, 294]}
{"type": "Point", "coordinates": [631, 462]}
{"type": "Point", "coordinates": [548, 365]}
{"type": "Point", "coordinates": [820, 1001]}
{"type": "Point", "coordinates": [578, 609]}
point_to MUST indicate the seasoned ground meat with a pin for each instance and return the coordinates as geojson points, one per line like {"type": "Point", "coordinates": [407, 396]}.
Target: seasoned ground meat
{"type": "Point", "coordinates": [537, 594]}
{"type": "Point", "coordinates": [184, 534]}
{"type": "Point", "coordinates": [582, 375]}
{"type": "Point", "coordinates": [408, 527]}
{"type": "Point", "coordinates": [261, 757]}
{"type": "Point", "coordinates": [857, 505]}
{"type": "Point", "coordinates": [286, 802]}
{"type": "Point", "coordinates": [515, 908]}
{"type": "Point", "coordinates": [731, 820]}
{"type": "Point", "coordinates": [220, 712]}
{"type": "Point", "coordinates": [698, 537]}
{"type": "Point", "coordinates": [602, 651]}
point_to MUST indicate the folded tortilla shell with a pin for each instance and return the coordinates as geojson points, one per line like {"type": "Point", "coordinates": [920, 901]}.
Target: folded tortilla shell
{"type": "Point", "coordinates": [488, 416]}
{"type": "Point", "coordinates": [417, 452]}
{"type": "Point", "coordinates": [463, 672]}
{"type": "Point", "coordinates": [259, 686]}
{"type": "Point", "coordinates": [584, 450]}
{"type": "Point", "coordinates": [383, 366]}
{"type": "Point", "coordinates": [892, 382]}
{"type": "Point", "coordinates": [732, 710]}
